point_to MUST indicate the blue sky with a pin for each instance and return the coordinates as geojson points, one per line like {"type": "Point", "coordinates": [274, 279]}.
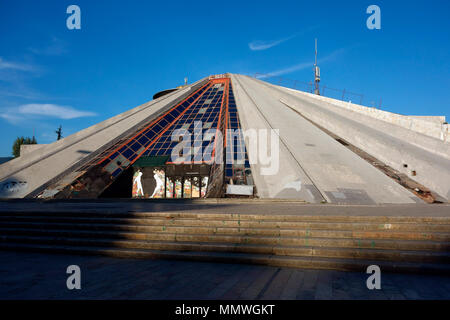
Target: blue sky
{"type": "Point", "coordinates": [128, 50]}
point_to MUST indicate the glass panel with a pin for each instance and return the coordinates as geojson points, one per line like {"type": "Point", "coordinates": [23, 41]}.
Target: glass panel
{"type": "Point", "coordinates": [116, 173]}
{"type": "Point", "coordinates": [169, 187]}
{"type": "Point", "coordinates": [195, 187]}
{"type": "Point", "coordinates": [178, 186]}
{"type": "Point", "coordinates": [187, 188]}
{"type": "Point", "coordinates": [159, 176]}
{"type": "Point", "coordinates": [135, 146]}
{"type": "Point", "coordinates": [138, 190]}
{"type": "Point", "coordinates": [127, 153]}
{"type": "Point", "coordinates": [204, 185]}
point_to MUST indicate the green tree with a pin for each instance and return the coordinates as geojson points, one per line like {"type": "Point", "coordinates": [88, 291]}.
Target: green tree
{"type": "Point", "coordinates": [19, 141]}
{"type": "Point", "coordinates": [59, 133]}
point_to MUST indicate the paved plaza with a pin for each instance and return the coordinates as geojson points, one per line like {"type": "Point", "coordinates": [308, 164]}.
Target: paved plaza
{"type": "Point", "coordinates": [223, 206]}
{"type": "Point", "coordinates": [43, 276]}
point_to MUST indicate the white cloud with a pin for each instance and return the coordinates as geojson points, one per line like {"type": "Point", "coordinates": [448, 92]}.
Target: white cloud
{"type": "Point", "coordinates": [264, 45]}
{"type": "Point", "coordinates": [13, 79]}
{"type": "Point", "coordinates": [15, 66]}
{"type": "Point", "coordinates": [302, 66]}
{"type": "Point", "coordinates": [53, 110]}
{"type": "Point", "coordinates": [297, 67]}
{"type": "Point", "coordinates": [55, 48]}
{"type": "Point", "coordinates": [28, 111]}
{"type": "Point", "coordinates": [259, 45]}
{"type": "Point", "coordinates": [11, 117]}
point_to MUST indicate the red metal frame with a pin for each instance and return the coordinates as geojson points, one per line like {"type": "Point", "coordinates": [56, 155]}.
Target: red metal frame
{"type": "Point", "coordinates": [224, 103]}
{"type": "Point", "coordinates": [207, 85]}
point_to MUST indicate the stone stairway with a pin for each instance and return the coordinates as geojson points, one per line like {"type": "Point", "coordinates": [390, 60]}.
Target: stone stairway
{"type": "Point", "coordinates": [395, 243]}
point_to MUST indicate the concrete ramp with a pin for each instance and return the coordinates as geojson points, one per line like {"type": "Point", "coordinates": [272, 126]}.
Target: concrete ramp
{"type": "Point", "coordinates": [422, 158]}
{"type": "Point", "coordinates": [337, 173]}
{"type": "Point", "coordinates": [292, 182]}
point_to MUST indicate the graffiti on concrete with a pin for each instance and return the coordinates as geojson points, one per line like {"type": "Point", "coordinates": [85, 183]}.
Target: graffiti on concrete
{"type": "Point", "coordinates": [138, 191]}
{"type": "Point", "coordinates": [12, 188]}
{"type": "Point", "coordinates": [297, 185]}
{"type": "Point", "coordinates": [159, 176]}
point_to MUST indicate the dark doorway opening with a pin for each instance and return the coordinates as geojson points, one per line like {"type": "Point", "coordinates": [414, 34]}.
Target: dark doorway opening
{"type": "Point", "coordinates": [121, 187]}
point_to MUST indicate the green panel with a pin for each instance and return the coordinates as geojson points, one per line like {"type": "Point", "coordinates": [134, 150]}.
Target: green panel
{"type": "Point", "coordinates": [155, 161]}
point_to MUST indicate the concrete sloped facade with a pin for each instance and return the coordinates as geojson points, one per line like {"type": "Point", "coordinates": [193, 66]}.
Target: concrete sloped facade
{"type": "Point", "coordinates": [402, 149]}
{"type": "Point", "coordinates": [338, 174]}
{"type": "Point", "coordinates": [313, 166]}
{"type": "Point", "coordinates": [405, 150]}
{"type": "Point", "coordinates": [23, 176]}
{"type": "Point", "coordinates": [273, 186]}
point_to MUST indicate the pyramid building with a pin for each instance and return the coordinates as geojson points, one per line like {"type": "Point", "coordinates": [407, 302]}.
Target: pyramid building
{"type": "Point", "coordinates": [231, 135]}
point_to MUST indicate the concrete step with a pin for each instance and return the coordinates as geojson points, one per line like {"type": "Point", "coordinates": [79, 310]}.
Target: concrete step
{"type": "Point", "coordinates": [233, 257]}
{"type": "Point", "coordinates": [414, 245]}
{"type": "Point", "coordinates": [344, 226]}
{"type": "Point", "coordinates": [323, 241]}
{"type": "Point", "coordinates": [276, 232]}
{"type": "Point", "coordinates": [330, 252]}
{"type": "Point", "coordinates": [237, 217]}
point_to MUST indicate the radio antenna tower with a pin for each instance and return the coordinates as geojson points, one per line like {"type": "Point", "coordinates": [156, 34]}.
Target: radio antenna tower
{"type": "Point", "coordinates": [316, 74]}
